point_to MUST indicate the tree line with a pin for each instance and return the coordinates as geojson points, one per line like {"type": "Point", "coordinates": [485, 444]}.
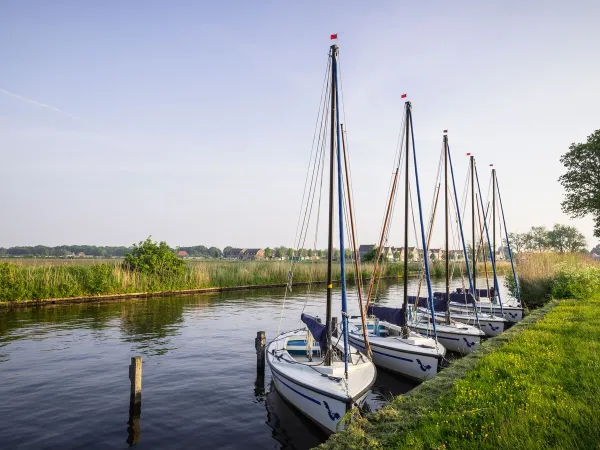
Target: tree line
{"type": "Point", "coordinates": [561, 238]}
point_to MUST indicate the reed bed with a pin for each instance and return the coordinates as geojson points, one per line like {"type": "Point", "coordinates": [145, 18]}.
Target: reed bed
{"type": "Point", "coordinates": [543, 276]}
{"type": "Point", "coordinates": [46, 280]}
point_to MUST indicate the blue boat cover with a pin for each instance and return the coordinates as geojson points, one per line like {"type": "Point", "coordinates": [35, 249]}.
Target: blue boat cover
{"type": "Point", "coordinates": [480, 292]}
{"type": "Point", "coordinates": [439, 304]}
{"type": "Point", "coordinates": [458, 297]}
{"type": "Point", "coordinates": [318, 330]}
{"type": "Point", "coordinates": [392, 315]}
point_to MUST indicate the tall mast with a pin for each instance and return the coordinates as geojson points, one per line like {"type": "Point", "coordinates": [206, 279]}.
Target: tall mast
{"type": "Point", "coordinates": [333, 54]}
{"type": "Point", "coordinates": [341, 226]}
{"type": "Point", "coordinates": [494, 215]}
{"type": "Point", "coordinates": [474, 246]}
{"type": "Point", "coordinates": [447, 250]}
{"type": "Point", "coordinates": [405, 329]}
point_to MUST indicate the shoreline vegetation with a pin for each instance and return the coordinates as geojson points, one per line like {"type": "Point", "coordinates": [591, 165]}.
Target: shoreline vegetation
{"type": "Point", "coordinates": [26, 281]}
{"type": "Point", "coordinates": [527, 388]}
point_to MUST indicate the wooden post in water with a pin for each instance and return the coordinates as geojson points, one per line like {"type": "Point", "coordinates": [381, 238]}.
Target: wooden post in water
{"type": "Point", "coordinates": [135, 376]}
{"type": "Point", "coordinates": [135, 401]}
{"type": "Point", "coordinates": [259, 344]}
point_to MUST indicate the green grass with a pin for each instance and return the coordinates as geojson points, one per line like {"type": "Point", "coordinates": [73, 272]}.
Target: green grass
{"type": "Point", "coordinates": [536, 386]}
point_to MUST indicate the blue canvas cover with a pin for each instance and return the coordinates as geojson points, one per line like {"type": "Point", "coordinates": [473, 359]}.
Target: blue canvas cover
{"type": "Point", "coordinates": [318, 330]}
{"type": "Point", "coordinates": [392, 315]}
{"type": "Point", "coordinates": [459, 296]}
{"type": "Point", "coordinates": [438, 303]}
{"type": "Point", "coordinates": [480, 292]}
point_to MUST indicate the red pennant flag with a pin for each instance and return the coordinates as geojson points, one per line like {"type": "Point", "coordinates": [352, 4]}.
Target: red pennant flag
{"type": "Point", "coordinates": [445, 131]}
{"type": "Point", "coordinates": [403, 96]}
{"type": "Point", "coordinates": [334, 36]}
{"type": "Point", "coordinates": [468, 154]}
{"type": "Point", "coordinates": [491, 165]}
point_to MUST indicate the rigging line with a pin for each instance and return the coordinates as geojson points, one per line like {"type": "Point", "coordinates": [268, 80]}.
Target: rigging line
{"type": "Point", "coordinates": [384, 230]}
{"type": "Point", "coordinates": [319, 116]}
{"type": "Point", "coordinates": [310, 198]}
{"type": "Point", "coordinates": [318, 218]}
{"type": "Point", "coordinates": [487, 281]}
{"type": "Point", "coordinates": [323, 100]}
{"type": "Point", "coordinates": [512, 264]}
{"type": "Point", "coordinates": [434, 201]}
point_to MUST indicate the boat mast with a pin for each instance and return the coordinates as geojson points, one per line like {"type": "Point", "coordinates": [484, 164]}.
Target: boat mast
{"type": "Point", "coordinates": [333, 55]}
{"type": "Point", "coordinates": [474, 246]}
{"type": "Point", "coordinates": [510, 254]}
{"type": "Point", "coordinates": [341, 226]}
{"type": "Point", "coordinates": [494, 216]}
{"type": "Point", "coordinates": [447, 250]}
{"type": "Point", "coordinates": [405, 329]}
{"type": "Point", "coordinates": [355, 249]}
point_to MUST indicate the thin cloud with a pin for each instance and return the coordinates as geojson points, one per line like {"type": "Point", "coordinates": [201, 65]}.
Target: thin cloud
{"type": "Point", "coordinates": [43, 105]}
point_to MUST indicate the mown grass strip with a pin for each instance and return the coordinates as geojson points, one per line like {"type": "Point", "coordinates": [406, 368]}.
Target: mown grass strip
{"type": "Point", "coordinates": [536, 386]}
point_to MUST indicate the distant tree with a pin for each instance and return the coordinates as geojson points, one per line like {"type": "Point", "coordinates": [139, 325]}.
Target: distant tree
{"type": "Point", "coordinates": [596, 250]}
{"type": "Point", "coordinates": [302, 252]}
{"type": "Point", "coordinates": [336, 254]}
{"type": "Point", "coordinates": [320, 253]}
{"type": "Point", "coordinates": [227, 249]}
{"type": "Point", "coordinates": [268, 253]}
{"type": "Point", "coordinates": [582, 180]}
{"type": "Point", "coordinates": [215, 252]}
{"type": "Point", "coordinates": [290, 253]}
{"type": "Point", "coordinates": [347, 254]}
{"type": "Point", "coordinates": [310, 253]}
{"type": "Point", "coordinates": [279, 252]}
{"type": "Point", "coordinates": [397, 255]}
{"type": "Point", "coordinates": [539, 238]}
{"type": "Point", "coordinates": [371, 255]}
{"type": "Point", "coordinates": [153, 258]}
{"type": "Point", "coordinates": [565, 238]}
{"type": "Point", "coordinates": [516, 242]}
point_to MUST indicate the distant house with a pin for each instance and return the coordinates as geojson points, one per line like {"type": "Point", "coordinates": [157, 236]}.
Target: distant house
{"type": "Point", "coordinates": [249, 254]}
{"type": "Point", "coordinates": [436, 254]}
{"type": "Point", "coordinates": [364, 249]}
{"type": "Point", "coordinates": [388, 253]}
{"type": "Point", "coordinates": [232, 253]}
{"type": "Point", "coordinates": [81, 255]}
{"type": "Point", "coordinates": [182, 254]}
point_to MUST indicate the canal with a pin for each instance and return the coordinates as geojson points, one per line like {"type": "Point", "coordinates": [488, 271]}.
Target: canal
{"type": "Point", "coordinates": [64, 371]}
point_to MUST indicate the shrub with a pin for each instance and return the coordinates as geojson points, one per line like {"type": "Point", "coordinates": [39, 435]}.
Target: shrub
{"type": "Point", "coordinates": [153, 258]}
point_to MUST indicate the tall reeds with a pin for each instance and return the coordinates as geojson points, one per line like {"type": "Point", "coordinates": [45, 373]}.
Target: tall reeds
{"type": "Point", "coordinates": [547, 275]}
{"type": "Point", "coordinates": [42, 281]}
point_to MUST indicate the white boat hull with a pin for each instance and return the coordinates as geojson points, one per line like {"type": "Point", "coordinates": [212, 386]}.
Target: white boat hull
{"type": "Point", "coordinates": [512, 313]}
{"type": "Point", "coordinates": [390, 353]}
{"type": "Point", "coordinates": [453, 337]}
{"type": "Point", "coordinates": [319, 392]}
{"type": "Point", "coordinates": [490, 325]}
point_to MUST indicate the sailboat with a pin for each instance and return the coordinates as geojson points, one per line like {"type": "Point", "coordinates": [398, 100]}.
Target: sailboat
{"type": "Point", "coordinates": [466, 307]}
{"type": "Point", "coordinates": [394, 346]}
{"type": "Point", "coordinates": [456, 336]}
{"type": "Point", "coordinates": [330, 377]}
{"type": "Point", "coordinates": [512, 309]}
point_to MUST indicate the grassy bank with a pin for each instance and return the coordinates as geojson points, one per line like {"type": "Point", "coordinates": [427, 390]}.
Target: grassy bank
{"type": "Point", "coordinates": [536, 386]}
{"type": "Point", "coordinates": [543, 276]}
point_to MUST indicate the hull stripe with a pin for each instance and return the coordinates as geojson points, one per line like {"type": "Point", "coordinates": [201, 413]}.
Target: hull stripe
{"type": "Point", "coordinates": [297, 392]}
{"type": "Point", "coordinates": [381, 353]}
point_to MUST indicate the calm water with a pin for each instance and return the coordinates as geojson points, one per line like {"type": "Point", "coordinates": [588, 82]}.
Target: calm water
{"type": "Point", "coordinates": [64, 372]}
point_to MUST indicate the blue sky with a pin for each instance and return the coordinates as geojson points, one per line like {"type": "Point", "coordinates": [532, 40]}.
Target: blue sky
{"type": "Point", "coordinates": [192, 121]}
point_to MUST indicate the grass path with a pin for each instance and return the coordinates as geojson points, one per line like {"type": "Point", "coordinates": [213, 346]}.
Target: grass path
{"type": "Point", "coordinates": [537, 386]}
